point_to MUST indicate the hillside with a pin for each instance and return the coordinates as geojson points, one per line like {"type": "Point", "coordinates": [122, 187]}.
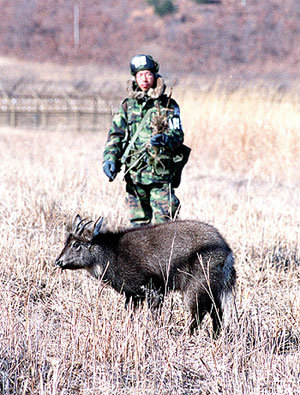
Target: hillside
{"type": "Point", "coordinates": [259, 38]}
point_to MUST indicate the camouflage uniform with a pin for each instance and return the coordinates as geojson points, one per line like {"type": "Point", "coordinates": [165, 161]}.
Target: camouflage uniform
{"type": "Point", "coordinates": [148, 169]}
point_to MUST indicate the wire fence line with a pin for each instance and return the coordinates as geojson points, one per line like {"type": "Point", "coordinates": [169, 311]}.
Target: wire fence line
{"type": "Point", "coordinates": [57, 112]}
{"type": "Point", "coordinates": [57, 109]}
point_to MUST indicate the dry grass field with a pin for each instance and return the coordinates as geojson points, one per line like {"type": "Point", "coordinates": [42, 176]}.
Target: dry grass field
{"type": "Point", "coordinates": [66, 333]}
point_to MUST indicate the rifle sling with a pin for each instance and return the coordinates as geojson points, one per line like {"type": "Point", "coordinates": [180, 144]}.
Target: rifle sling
{"type": "Point", "coordinates": [137, 132]}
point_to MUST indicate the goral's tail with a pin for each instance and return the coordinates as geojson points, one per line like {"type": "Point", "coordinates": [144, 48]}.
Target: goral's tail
{"type": "Point", "coordinates": [228, 306]}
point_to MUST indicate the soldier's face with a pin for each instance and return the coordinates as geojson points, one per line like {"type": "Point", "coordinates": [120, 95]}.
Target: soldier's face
{"type": "Point", "coordinates": [144, 79]}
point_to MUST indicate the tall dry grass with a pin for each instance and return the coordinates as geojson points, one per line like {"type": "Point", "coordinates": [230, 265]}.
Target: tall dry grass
{"type": "Point", "coordinates": [252, 129]}
{"type": "Point", "coordinates": [66, 333]}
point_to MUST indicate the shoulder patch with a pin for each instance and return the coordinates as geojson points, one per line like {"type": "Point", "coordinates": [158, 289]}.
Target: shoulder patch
{"type": "Point", "coordinates": [176, 111]}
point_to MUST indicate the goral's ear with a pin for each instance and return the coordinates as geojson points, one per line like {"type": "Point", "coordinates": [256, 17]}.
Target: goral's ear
{"type": "Point", "coordinates": [97, 227]}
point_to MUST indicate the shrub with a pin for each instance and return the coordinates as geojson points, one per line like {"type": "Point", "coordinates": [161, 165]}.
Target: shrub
{"type": "Point", "coordinates": [162, 7]}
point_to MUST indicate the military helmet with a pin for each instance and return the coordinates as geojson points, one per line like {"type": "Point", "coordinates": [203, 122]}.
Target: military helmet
{"type": "Point", "coordinates": [143, 62]}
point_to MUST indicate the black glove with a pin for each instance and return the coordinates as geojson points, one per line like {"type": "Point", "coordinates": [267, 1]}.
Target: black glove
{"type": "Point", "coordinates": [110, 169]}
{"type": "Point", "coordinates": [160, 140]}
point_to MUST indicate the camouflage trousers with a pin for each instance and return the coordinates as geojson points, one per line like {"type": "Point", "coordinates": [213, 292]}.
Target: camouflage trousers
{"type": "Point", "coordinates": [154, 202]}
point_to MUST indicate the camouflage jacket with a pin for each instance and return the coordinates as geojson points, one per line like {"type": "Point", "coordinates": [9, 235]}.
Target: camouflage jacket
{"type": "Point", "coordinates": [145, 164]}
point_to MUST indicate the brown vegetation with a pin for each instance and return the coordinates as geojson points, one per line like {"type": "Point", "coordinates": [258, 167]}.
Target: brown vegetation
{"type": "Point", "coordinates": [234, 37]}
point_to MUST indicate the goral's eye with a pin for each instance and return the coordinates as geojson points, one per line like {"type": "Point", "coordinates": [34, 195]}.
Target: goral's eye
{"type": "Point", "coordinates": [76, 245]}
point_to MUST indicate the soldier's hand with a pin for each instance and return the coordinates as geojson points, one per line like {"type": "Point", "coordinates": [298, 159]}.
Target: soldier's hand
{"type": "Point", "coordinates": [110, 169]}
{"type": "Point", "coordinates": [160, 140]}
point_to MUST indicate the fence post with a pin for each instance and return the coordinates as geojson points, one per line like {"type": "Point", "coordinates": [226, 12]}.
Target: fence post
{"type": "Point", "coordinates": [95, 110]}
{"type": "Point", "coordinates": [38, 113]}
{"type": "Point", "coordinates": [78, 120]}
{"type": "Point", "coordinates": [13, 115]}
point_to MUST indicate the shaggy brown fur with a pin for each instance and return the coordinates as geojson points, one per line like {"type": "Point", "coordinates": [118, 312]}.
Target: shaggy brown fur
{"type": "Point", "coordinates": [187, 256]}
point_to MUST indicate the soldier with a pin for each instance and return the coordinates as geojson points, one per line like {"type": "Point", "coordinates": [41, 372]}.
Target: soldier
{"type": "Point", "coordinates": [143, 136]}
